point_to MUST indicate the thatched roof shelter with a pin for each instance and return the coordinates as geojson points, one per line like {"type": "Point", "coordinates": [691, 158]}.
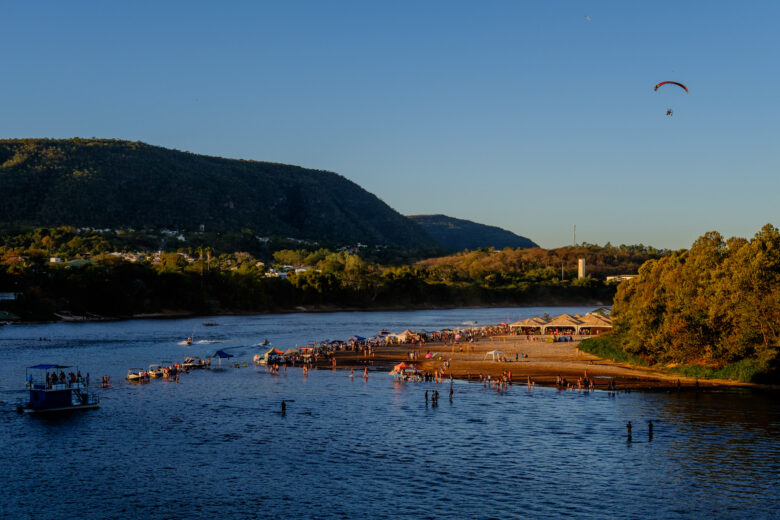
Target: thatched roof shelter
{"type": "Point", "coordinates": [564, 321]}
{"type": "Point", "coordinates": [530, 323]}
{"type": "Point", "coordinates": [595, 321]}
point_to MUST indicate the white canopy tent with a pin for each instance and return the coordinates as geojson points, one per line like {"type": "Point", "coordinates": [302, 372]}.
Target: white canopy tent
{"type": "Point", "coordinates": [494, 354]}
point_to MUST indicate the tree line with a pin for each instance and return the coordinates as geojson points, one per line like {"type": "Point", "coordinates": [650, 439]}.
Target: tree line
{"type": "Point", "coordinates": [205, 280]}
{"type": "Point", "coordinates": [713, 305]}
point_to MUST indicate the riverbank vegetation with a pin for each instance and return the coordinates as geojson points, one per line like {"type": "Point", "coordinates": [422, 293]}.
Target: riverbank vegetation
{"type": "Point", "coordinates": [111, 273]}
{"type": "Point", "coordinates": [711, 311]}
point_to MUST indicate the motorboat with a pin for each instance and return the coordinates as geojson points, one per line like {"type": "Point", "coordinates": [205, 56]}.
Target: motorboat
{"type": "Point", "coordinates": [191, 362]}
{"type": "Point", "coordinates": [49, 392]}
{"type": "Point", "coordinates": [137, 375]}
{"type": "Point", "coordinates": [155, 371]}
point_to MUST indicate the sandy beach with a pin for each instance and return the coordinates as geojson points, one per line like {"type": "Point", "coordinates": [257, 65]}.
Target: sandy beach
{"type": "Point", "coordinates": [544, 361]}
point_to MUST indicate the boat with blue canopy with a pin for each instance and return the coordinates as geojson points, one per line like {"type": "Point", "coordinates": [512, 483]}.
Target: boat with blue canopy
{"type": "Point", "coordinates": [51, 390]}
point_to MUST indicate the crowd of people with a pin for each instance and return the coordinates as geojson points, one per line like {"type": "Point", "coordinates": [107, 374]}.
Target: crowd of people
{"type": "Point", "coordinates": [53, 378]}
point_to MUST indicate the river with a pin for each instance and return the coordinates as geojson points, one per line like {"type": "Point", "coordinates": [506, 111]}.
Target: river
{"type": "Point", "coordinates": [215, 445]}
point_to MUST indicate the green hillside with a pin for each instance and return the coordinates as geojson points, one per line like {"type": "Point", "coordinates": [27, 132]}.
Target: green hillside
{"type": "Point", "coordinates": [456, 234]}
{"type": "Point", "coordinates": [104, 183]}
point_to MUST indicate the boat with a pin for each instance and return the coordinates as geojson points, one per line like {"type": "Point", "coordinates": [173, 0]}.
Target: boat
{"type": "Point", "coordinates": [50, 392]}
{"type": "Point", "coordinates": [210, 323]}
{"type": "Point", "coordinates": [137, 375]}
{"type": "Point", "coordinates": [155, 371]}
{"type": "Point", "coordinates": [193, 362]}
{"type": "Point", "coordinates": [69, 317]}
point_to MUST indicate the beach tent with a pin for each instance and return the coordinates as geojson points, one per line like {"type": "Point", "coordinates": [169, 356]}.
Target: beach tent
{"type": "Point", "coordinates": [290, 351]}
{"type": "Point", "coordinates": [400, 367]}
{"type": "Point", "coordinates": [494, 354]}
{"type": "Point", "coordinates": [271, 352]}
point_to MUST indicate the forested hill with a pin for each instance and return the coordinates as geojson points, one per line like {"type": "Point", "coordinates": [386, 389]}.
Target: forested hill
{"type": "Point", "coordinates": [456, 234]}
{"type": "Point", "coordinates": [105, 183]}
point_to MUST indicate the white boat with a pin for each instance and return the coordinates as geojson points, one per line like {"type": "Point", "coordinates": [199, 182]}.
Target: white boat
{"type": "Point", "coordinates": [67, 316]}
{"type": "Point", "coordinates": [137, 375]}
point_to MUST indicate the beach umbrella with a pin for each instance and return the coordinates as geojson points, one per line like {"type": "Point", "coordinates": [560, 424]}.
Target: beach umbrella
{"type": "Point", "coordinates": [400, 367]}
{"type": "Point", "coordinates": [221, 354]}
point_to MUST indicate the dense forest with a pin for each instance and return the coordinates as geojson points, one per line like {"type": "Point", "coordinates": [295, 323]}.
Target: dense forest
{"type": "Point", "coordinates": [543, 264]}
{"type": "Point", "coordinates": [111, 282]}
{"type": "Point", "coordinates": [70, 243]}
{"type": "Point", "coordinates": [103, 183]}
{"type": "Point", "coordinates": [715, 305]}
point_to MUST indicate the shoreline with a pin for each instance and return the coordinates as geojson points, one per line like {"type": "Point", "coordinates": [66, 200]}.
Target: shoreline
{"type": "Point", "coordinates": [543, 364]}
{"type": "Point", "coordinates": [315, 309]}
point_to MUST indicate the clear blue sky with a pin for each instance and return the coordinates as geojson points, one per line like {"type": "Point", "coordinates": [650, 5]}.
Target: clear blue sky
{"type": "Point", "coordinates": [520, 114]}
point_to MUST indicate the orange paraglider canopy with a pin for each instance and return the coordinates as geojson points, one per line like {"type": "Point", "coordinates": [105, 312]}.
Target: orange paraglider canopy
{"type": "Point", "coordinates": [673, 83]}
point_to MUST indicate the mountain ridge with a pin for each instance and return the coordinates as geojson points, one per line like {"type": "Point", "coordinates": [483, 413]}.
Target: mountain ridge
{"type": "Point", "coordinates": [116, 183]}
{"type": "Point", "coordinates": [456, 234]}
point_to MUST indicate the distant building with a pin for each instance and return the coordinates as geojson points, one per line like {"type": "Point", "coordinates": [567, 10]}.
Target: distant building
{"type": "Point", "coordinates": [581, 268]}
{"type": "Point", "coordinates": [620, 277]}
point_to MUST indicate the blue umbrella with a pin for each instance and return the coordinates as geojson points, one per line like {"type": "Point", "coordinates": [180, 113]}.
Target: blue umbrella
{"type": "Point", "coordinates": [221, 354]}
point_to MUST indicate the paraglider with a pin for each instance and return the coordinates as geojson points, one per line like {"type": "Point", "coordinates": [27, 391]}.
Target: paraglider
{"type": "Point", "coordinates": [669, 111]}
{"type": "Point", "coordinates": [672, 83]}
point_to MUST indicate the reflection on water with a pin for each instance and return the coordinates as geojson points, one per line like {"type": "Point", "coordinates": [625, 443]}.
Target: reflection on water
{"type": "Point", "coordinates": [216, 444]}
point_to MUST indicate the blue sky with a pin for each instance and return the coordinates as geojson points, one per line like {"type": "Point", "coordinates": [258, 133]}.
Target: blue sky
{"type": "Point", "coordinates": [520, 114]}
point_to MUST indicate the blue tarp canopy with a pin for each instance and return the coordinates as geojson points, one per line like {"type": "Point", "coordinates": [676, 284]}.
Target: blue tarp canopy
{"type": "Point", "coordinates": [356, 338]}
{"type": "Point", "coordinates": [47, 367]}
{"type": "Point", "coordinates": [222, 354]}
